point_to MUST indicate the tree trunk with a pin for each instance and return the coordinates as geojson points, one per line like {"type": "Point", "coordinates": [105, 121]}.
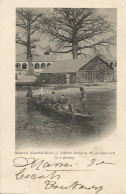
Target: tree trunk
{"type": "Point", "coordinates": [29, 55]}
{"type": "Point", "coordinates": [30, 66]}
{"type": "Point", "coordinates": [74, 47]}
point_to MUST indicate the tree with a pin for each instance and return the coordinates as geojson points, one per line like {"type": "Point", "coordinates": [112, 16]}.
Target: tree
{"type": "Point", "coordinates": [75, 29]}
{"type": "Point", "coordinates": [27, 20]}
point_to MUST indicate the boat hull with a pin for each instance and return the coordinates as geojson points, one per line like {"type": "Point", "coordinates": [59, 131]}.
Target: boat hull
{"type": "Point", "coordinates": [67, 116]}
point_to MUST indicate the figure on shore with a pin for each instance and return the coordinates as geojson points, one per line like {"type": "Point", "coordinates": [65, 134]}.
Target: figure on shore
{"type": "Point", "coordinates": [29, 93]}
{"type": "Point", "coordinates": [41, 93]}
{"type": "Point", "coordinates": [29, 97]}
{"type": "Point", "coordinates": [83, 100]}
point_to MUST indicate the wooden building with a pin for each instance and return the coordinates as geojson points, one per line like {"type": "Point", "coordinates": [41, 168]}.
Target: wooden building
{"type": "Point", "coordinates": [90, 69]}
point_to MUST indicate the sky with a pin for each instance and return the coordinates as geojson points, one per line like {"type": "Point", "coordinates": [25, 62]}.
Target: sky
{"type": "Point", "coordinates": [110, 13]}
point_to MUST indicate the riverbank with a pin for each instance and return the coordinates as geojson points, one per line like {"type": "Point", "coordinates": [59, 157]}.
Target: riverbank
{"type": "Point", "coordinates": [71, 88]}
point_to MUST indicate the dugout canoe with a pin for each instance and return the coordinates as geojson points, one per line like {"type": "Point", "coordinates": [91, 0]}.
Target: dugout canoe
{"type": "Point", "coordinates": [66, 115]}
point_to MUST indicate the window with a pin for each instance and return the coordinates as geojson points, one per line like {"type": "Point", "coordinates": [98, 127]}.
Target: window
{"type": "Point", "coordinates": [43, 66]}
{"type": "Point", "coordinates": [36, 65]}
{"type": "Point", "coordinates": [18, 65]}
{"type": "Point", "coordinates": [48, 64]}
{"type": "Point", "coordinates": [24, 66]}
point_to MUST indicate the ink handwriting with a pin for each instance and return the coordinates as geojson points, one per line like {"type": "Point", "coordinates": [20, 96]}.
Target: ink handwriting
{"type": "Point", "coordinates": [50, 173]}
{"type": "Point", "coordinates": [93, 161]}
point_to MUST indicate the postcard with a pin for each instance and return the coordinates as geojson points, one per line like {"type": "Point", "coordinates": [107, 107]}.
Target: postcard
{"type": "Point", "coordinates": [62, 97]}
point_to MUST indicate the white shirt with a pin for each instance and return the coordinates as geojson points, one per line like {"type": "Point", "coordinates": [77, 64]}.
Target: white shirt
{"type": "Point", "coordinates": [41, 91]}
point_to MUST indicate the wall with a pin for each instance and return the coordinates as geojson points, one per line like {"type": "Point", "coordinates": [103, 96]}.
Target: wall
{"type": "Point", "coordinates": [95, 71]}
{"type": "Point", "coordinates": [20, 73]}
{"type": "Point", "coordinates": [52, 78]}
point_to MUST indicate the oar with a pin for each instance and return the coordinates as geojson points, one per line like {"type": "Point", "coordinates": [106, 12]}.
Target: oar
{"type": "Point", "coordinates": [74, 113]}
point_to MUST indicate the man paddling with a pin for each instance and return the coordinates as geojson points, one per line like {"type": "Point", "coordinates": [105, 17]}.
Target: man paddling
{"type": "Point", "coordinates": [83, 100]}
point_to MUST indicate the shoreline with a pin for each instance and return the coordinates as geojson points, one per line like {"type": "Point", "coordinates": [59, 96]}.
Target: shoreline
{"type": "Point", "coordinates": [47, 90]}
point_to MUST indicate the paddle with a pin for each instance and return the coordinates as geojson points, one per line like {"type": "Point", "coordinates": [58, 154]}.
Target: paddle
{"type": "Point", "coordinates": [74, 113]}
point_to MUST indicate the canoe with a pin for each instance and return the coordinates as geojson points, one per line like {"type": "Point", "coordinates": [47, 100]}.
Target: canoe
{"type": "Point", "coordinates": [65, 115]}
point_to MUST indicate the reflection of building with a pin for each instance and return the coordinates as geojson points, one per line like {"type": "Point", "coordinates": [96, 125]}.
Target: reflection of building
{"type": "Point", "coordinates": [96, 68]}
{"type": "Point", "coordinates": [40, 63]}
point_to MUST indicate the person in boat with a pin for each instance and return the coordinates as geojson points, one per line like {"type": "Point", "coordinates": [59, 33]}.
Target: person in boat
{"type": "Point", "coordinates": [83, 100]}
{"type": "Point", "coordinates": [63, 101]}
{"type": "Point", "coordinates": [46, 100]}
{"type": "Point", "coordinates": [63, 104]}
{"type": "Point", "coordinates": [29, 93]}
{"type": "Point", "coordinates": [53, 99]}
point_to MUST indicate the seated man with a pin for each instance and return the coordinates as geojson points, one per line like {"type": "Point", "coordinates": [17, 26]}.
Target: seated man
{"type": "Point", "coordinates": [62, 100]}
{"type": "Point", "coordinates": [53, 98]}
{"type": "Point", "coordinates": [63, 103]}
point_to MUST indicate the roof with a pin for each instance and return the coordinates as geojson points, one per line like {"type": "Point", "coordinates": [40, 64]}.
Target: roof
{"type": "Point", "coordinates": [72, 65]}
{"type": "Point", "coordinates": [39, 58]}
{"type": "Point", "coordinates": [68, 66]}
{"type": "Point", "coordinates": [108, 58]}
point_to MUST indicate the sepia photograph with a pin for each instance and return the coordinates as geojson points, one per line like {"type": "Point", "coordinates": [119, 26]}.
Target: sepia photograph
{"type": "Point", "coordinates": [65, 76]}
{"type": "Point", "coordinates": [62, 97]}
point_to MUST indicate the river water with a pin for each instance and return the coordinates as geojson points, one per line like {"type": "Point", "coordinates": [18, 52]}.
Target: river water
{"type": "Point", "coordinates": [33, 129]}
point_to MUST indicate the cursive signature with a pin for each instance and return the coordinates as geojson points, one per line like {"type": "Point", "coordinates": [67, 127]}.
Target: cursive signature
{"type": "Point", "coordinates": [33, 162]}
{"type": "Point", "coordinates": [75, 185]}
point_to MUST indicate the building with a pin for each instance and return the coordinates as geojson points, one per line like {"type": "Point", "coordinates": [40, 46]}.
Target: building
{"type": "Point", "coordinates": [95, 68]}
{"type": "Point", "coordinates": [40, 63]}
